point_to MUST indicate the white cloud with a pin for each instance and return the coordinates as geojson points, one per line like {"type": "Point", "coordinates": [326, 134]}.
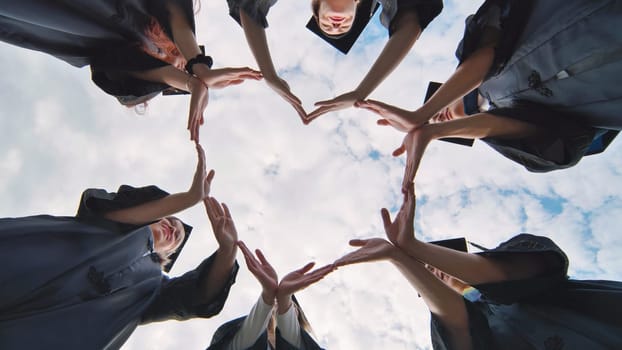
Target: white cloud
{"type": "Point", "coordinates": [297, 192]}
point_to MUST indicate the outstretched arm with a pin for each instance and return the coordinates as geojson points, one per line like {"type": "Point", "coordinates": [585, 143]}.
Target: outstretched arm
{"type": "Point", "coordinates": [226, 235]}
{"type": "Point", "coordinates": [258, 44]}
{"type": "Point", "coordinates": [407, 30]}
{"type": "Point", "coordinates": [468, 76]}
{"type": "Point", "coordinates": [171, 204]}
{"type": "Point", "coordinates": [443, 302]}
{"type": "Point", "coordinates": [477, 126]}
{"type": "Point", "coordinates": [470, 268]}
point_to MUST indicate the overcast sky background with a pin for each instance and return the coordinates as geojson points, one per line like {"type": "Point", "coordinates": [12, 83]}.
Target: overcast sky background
{"type": "Point", "coordinates": [298, 192]}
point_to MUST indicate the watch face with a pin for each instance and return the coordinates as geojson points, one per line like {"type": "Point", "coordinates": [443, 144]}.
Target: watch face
{"type": "Point", "coordinates": [344, 42]}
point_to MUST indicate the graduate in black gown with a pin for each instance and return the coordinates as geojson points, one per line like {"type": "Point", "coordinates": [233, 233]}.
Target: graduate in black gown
{"type": "Point", "coordinates": [539, 89]}
{"type": "Point", "coordinates": [403, 19]}
{"type": "Point", "coordinates": [135, 48]}
{"type": "Point", "coordinates": [522, 299]}
{"type": "Point", "coordinates": [276, 321]}
{"type": "Point", "coordinates": [86, 282]}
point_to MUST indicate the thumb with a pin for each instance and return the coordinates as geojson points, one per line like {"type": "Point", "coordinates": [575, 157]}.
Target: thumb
{"type": "Point", "coordinates": [399, 151]}
{"type": "Point", "coordinates": [358, 242]}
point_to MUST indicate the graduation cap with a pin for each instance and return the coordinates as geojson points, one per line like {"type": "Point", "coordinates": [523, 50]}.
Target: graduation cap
{"type": "Point", "coordinates": [432, 87]}
{"type": "Point", "coordinates": [344, 42]}
{"type": "Point", "coordinates": [459, 244]}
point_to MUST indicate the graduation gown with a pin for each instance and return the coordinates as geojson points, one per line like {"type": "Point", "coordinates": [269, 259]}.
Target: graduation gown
{"type": "Point", "coordinates": [226, 332]}
{"type": "Point", "coordinates": [578, 112]}
{"type": "Point", "coordinates": [86, 282]}
{"type": "Point", "coordinates": [106, 35]}
{"type": "Point", "coordinates": [547, 312]}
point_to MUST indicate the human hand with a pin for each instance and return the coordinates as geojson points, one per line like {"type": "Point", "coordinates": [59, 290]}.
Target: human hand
{"type": "Point", "coordinates": [340, 102]}
{"type": "Point", "coordinates": [202, 180]}
{"type": "Point", "coordinates": [199, 96]}
{"type": "Point", "coordinates": [442, 116]}
{"type": "Point", "coordinates": [281, 87]}
{"type": "Point", "coordinates": [300, 279]}
{"type": "Point", "coordinates": [401, 231]}
{"type": "Point", "coordinates": [263, 272]}
{"type": "Point", "coordinates": [222, 224]}
{"type": "Point", "coordinates": [373, 249]}
{"type": "Point", "coordinates": [398, 118]}
{"type": "Point", "coordinates": [414, 144]}
{"type": "Point", "coordinates": [222, 77]}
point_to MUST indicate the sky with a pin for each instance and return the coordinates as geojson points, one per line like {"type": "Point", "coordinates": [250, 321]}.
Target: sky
{"type": "Point", "coordinates": [298, 192]}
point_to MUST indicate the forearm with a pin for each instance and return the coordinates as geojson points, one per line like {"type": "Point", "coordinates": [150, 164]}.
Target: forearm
{"type": "Point", "coordinates": [470, 268]}
{"type": "Point", "coordinates": [481, 125]}
{"type": "Point", "coordinates": [153, 210]}
{"type": "Point", "coordinates": [183, 36]}
{"type": "Point", "coordinates": [446, 304]}
{"type": "Point", "coordinates": [468, 76]}
{"type": "Point", "coordinates": [252, 327]}
{"type": "Point", "coordinates": [289, 327]}
{"type": "Point", "coordinates": [399, 44]}
{"type": "Point", "coordinates": [168, 75]}
{"type": "Point", "coordinates": [284, 302]}
{"type": "Point", "coordinates": [258, 44]}
{"type": "Point", "coordinates": [219, 273]}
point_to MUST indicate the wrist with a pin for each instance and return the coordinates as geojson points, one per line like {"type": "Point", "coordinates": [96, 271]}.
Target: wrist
{"type": "Point", "coordinates": [284, 302]}
{"type": "Point", "coordinates": [227, 252]}
{"type": "Point", "coordinates": [268, 296]}
{"type": "Point", "coordinates": [199, 62]}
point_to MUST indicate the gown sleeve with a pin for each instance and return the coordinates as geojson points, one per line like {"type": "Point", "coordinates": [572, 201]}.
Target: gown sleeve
{"type": "Point", "coordinates": [561, 144]}
{"type": "Point", "coordinates": [181, 298]}
{"type": "Point", "coordinates": [426, 11]}
{"type": "Point", "coordinates": [255, 9]}
{"type": "Point", "coordinates": [227, 331]}
{"type": "Point", "coordinates": [95, 203]}
{"type": "Point", "coordinates": [253, 327]}
{"type": "Point", "coordinates": [511, 17]}
{"type": "Point", "coordinates": [109, 69]}
{"type": "Point", "coordinates": [481, 337]}
{"type": "Point", "coordinates": [307, 342]}
{"type": "Point", "coordinates": [508, 292]}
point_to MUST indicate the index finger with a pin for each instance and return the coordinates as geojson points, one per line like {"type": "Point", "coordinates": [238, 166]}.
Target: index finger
{"type": "Point", "coordinates": [247, 252]}
{"type": "Point", "coordinates": [386, 218]}
{"type": "Point", "coordinates": [318, 112]}
{"type": "Point", "coordinates": [306, 268]}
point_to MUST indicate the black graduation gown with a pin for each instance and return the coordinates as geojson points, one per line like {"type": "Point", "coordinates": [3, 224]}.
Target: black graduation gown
{"type": "Point", "coordinates": [85, 282]}
{"type": "Point", "coordinates": [524, 55]}
{"type": "Point", "coordinates": [547, 312]}
{"type": "Point", "coordinates": [103, 34]}
{"type": "Point", "coordinates": [227, 331]}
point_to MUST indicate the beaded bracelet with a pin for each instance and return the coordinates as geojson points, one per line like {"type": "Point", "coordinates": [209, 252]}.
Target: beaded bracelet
{"type": "Point", "coordinates": [200, 58]}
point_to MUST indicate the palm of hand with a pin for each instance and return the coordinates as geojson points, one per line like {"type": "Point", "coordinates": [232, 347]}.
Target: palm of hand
{"type": "Point", "coordinates": [300, 279]}
{"type": "Point", "coordinates": [398, 118]}
{"type": "Point", "coordinates": [198, 103]}
{"type": "Point", "coordinates": [201, 182]}
{"type": "Point", "coordinates": [370, 250]}
{"type": "Point", "coordinates": [267, 277]}
{"type": "Point", "coordinates": [226, 234]}
{"type": "Point", "coordinates": [281, 87]}
{"type": "Point", "coordinates": [223, 77]}
{"type": "Point", "coordinates": [401, 231]}
{"type": "Point", "coordinates": [340, 102]}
